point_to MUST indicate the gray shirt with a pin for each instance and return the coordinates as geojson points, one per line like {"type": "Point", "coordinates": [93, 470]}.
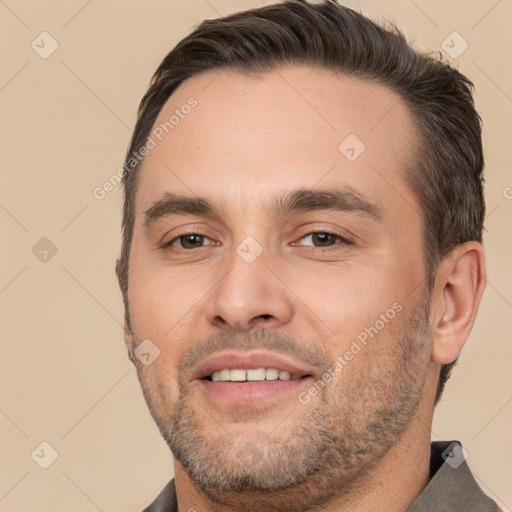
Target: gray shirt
{"type": "Point", "coordinates": [452, 487]}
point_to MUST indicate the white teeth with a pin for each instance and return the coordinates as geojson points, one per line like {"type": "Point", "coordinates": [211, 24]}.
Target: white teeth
{"type": "Point", "coordinates": [258, 374]}
{"type": "Point", "coordinates": [253, 375]}
{"type": "Point", "coordinates": [271, 374]}
{"type": "Point", "coordinates": [238, 375]}
{"type": "Point", "coordinates": [222, 375]}
{"type": "Point", "coordinates": [225, 374]}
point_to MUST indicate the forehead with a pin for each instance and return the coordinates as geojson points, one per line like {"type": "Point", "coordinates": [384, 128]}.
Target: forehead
{"type": "Point", "coordinates": [234, 137]}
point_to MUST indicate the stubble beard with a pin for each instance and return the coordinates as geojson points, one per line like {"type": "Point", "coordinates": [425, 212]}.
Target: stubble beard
{"type": "Point", "coordinates": [324, 449]}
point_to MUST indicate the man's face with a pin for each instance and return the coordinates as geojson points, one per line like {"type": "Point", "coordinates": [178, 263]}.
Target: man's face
{"type": "Point", "coordinates": [308, 254]}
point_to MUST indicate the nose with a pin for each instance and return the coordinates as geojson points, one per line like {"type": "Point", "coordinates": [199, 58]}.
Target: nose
{"type": "Point", "coordinates": [249, 295]}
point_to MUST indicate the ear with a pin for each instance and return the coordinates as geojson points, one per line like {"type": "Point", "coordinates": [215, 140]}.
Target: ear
{"type": "Point", "coordinates": [459, 285]}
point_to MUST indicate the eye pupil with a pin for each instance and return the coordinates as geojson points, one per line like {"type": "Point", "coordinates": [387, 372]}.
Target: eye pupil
{"type": "Point", "coordinates": [322, 238]}
{"type": "Point", "coordinates": [191, 241]}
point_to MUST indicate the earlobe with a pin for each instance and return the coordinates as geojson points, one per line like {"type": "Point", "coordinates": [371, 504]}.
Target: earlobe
{"type": "Point", "coordinates": [460, 282]}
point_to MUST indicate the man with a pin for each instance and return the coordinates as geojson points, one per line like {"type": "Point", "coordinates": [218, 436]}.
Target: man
{"type": "Point", "coordinates": [302, 263]}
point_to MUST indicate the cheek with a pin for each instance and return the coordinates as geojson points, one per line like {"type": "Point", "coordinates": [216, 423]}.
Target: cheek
{"type": "Point", "coordinates": [162, 310]}
{"type": "Point", "coordinates": [163, 302]}
{"type": "Point", "coordinates": [346, 300]}
{"type": "Point", "coordinates": [160, 387]}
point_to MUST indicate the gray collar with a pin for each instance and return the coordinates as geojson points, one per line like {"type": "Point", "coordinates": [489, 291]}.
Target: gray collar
{"type": "Point", "coordinates": [452, 487]}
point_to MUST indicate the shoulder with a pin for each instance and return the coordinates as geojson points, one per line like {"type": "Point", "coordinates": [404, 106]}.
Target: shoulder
{"type": "Point", "coordinates": [165, 501]}
{"type": "Point", "coordinates": [452, 486]}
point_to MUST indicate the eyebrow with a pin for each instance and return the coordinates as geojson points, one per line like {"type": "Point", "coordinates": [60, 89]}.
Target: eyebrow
{"type": "Point", "coordinates": [297, 201]}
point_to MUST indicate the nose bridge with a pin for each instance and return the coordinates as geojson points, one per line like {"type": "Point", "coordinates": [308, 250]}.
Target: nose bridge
{"type": "Point", "coordinates": [249, 293]}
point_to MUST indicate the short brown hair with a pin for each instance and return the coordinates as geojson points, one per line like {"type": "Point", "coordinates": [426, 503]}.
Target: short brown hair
{"type": "Point", "coordinates": [447, 173]}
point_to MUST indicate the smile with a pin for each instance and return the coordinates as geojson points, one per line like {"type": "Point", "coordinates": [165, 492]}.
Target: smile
{"type": "Point", "coordinates": [251, 375]}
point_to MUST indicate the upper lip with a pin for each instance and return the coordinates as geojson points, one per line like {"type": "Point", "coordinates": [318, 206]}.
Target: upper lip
{"type": "Point", "coordinates": [247, 360]}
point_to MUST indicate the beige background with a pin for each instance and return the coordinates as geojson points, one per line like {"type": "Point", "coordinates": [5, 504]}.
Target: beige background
{"type": "Point", "coordinates": [65, 124]}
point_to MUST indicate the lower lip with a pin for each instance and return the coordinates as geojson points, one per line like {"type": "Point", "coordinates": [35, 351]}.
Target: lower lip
{"type": "Point", "coordinates": [252, 392]}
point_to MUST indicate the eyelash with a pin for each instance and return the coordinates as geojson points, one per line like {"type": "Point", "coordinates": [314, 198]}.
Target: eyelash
{"type": "Point", "coordinates": [342, 239]}
{"type": "Point", "coordinates": [198, 232]}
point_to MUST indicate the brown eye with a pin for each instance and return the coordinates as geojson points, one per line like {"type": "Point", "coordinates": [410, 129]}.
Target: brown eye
{"type": "Point", "coordinates": [322, 239]}
{"type": "Point", "coordinates": [191, 241]}
{"type": "Point", "coordinates": [188, 241]}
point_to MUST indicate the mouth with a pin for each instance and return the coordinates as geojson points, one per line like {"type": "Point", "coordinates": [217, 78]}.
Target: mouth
{"type": "Point", "coordinates": [250, 377]}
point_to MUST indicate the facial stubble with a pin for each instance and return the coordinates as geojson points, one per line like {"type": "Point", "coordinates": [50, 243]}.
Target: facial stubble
{"type": "Point", "coordinates": [322, 449]}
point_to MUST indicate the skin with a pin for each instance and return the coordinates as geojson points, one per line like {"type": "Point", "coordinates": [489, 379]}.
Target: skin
{"type": "Point", "coordinates": [248, 141]}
